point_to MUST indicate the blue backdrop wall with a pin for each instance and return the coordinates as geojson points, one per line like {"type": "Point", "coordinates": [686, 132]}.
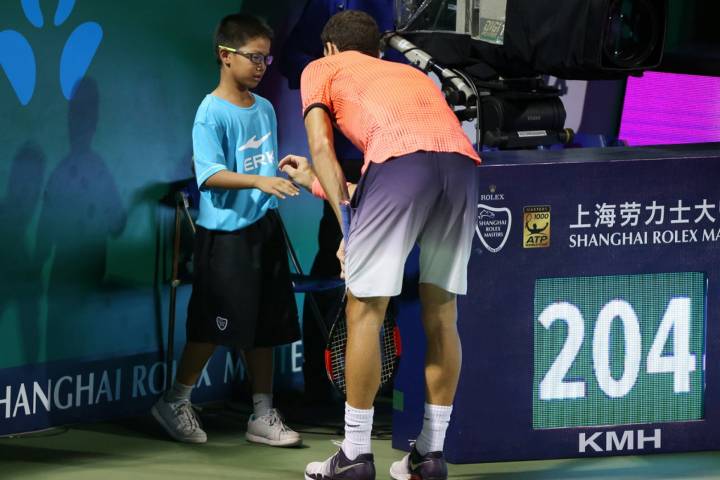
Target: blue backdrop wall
{"type": "Point", "coordinates": [97, 103]}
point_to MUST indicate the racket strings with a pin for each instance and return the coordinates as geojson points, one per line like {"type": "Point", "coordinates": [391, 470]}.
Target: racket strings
{"type": "Point", "coordinates": [338, 342]}
{"type": "Point", "coordinates": [388, 351]}
{"type": "Point", "coordinates": [337, 354]}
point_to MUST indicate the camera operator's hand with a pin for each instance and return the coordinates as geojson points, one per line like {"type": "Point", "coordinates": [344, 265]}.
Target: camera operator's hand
{"type": "Point", "coordinates": [277, 186]}
{"type": "Point", "coordinates": [299, 169]}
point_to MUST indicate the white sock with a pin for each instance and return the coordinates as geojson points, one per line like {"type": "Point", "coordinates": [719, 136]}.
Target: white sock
{"type": "Point", "coordinates": [358, 427]}
{"type": "Point", "coordinates": [435, 423]}
{"type": "Point", "coordinates": [178, 392]}
{"type": "Point", "coordinates": [262, 403]}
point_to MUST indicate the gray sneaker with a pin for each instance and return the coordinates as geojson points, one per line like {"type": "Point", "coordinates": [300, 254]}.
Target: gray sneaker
{"type": "Point", "coordinates": [179, 420]}
{"type": "Point", "coordinates": [271, 430]}
{"type": "Point", "coordinates": [339, 467]}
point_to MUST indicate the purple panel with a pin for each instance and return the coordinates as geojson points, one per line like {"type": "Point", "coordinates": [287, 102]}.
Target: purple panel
{"type": "Point", "coordinates": [492, 415]}
{"type": "Point", "coordinates": [668, 108]}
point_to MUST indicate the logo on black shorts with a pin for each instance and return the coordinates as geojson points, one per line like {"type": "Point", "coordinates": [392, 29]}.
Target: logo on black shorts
{"type": "Point", "coordinates": [222, 323]}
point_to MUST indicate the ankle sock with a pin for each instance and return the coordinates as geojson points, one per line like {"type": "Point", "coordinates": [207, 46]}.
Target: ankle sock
{"type": "Point", "coordinates": [358, 427]}
{"type": "Point", "coordinates": [178, 392]}
{"type": "Point", "coordinates": [262, 403]}
{"type": "Point", "coordinates": [435, 423]}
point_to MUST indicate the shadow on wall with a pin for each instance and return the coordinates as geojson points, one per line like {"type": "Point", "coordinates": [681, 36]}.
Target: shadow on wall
{"type": "Point", "coordinates": [81, 210]}
{"type": "Point", "coordinates": [20, 264]}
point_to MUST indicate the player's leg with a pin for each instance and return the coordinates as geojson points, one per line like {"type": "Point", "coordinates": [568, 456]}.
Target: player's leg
{"type": "Point", "coordinates": [362, 370]}
{"type": "Point", "coordinates": [444, 352]}
{"type": "Point", "coordinates": [442, 371]}
{"type": "Point", "coordinates": [393, 202]}
{"type": "Point", "coordinates": [390, 206]}
{"type": "Point", "coordinates": [362, 354]}
{"type": "Point", "coordinates": [445, 245]}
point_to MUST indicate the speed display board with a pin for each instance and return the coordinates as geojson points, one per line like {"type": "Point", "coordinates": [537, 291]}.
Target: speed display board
{"type": "Point", "coordinates": [591, 324]}
{"type": "Point", "coordinates": [616, 350]}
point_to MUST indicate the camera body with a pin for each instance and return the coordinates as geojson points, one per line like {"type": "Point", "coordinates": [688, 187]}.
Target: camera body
{"type": "Point", "coordinates": [503, 47]}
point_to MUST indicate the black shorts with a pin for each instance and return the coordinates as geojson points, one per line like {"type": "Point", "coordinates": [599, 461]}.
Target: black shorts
{"type": "Point", "coordinates": [242, 295]}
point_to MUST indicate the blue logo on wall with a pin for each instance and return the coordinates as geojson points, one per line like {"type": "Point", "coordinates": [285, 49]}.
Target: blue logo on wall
{"type": "Point", "coordinates": [17, 58]}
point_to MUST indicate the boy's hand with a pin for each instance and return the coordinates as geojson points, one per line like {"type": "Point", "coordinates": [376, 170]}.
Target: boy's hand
{"type": "Point", "coordinates": [277, 186]}
{"type": "Point", "coordinates": [298, 169]}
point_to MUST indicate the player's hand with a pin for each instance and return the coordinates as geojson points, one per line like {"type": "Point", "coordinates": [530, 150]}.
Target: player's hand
{"type": "Point", "coordinates": [341, 256]}
{"type": "Point", "coordinates": [277, 186]}
{"type": "Point", "coordinates": [299, 169]}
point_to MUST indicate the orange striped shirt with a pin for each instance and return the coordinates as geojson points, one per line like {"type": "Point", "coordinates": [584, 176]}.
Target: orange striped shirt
{"type": "Point", "coordinates": [386, 109]}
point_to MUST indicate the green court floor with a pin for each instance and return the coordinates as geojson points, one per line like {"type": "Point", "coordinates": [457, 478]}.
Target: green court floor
{"type": "Point", "coordinates": [136, 449]}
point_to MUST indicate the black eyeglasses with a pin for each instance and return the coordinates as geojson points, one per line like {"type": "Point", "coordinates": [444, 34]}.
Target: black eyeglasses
{"type": "Point", "coordinates": [256, 58]}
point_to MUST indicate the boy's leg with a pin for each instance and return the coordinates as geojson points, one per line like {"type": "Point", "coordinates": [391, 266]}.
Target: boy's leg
{"type": "Point", "coordinates": [276, 324]}
{"type": "Point", "coordinates": [265, 425]}
{"type": "Point", "coordinates": [194, 358]}
{"type": "Point", "coordinates": [173, 410]}
{"type": "Point", "coordinates": [260, 370]}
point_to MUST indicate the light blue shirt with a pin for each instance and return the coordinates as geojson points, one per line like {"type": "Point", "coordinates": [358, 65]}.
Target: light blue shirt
{"type": "Point", "coordinates": [242, 140]}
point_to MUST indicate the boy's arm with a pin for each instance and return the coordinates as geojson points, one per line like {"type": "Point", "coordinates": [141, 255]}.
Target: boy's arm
{"type": "Point", "coordinates": [327, 168]}
{"type": "Point", "coordinates": [277, 186]}
{"type": "Point", "coordinates": [211, 170]}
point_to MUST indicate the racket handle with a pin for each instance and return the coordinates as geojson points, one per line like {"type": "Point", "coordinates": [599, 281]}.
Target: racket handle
{"type": "Point", "coordinates": [345, 214]}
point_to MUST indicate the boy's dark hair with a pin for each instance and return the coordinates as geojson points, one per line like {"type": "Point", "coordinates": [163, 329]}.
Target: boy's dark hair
{"type": "Point", "coordinates": [353, 30]}
{"type": "Point", "coordinates": [237, 29]}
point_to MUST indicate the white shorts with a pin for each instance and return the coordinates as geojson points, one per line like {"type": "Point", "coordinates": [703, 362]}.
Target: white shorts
{"type": "Point", "coordinates": [429, 198]}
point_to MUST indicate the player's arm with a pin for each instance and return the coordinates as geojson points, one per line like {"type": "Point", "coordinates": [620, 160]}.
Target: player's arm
{"type": "Point", "coordinates": [327, 169]}
{"type": "Point", "coordinates": [280, 187]}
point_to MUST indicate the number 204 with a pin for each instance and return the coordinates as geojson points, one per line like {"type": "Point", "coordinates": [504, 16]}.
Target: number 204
{"type": "Point", "coordinates": [676, 320]}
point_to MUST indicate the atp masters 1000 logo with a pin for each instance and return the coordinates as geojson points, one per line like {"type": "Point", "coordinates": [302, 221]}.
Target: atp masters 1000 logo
{"type": "Point", "coordinates": [536, 227]}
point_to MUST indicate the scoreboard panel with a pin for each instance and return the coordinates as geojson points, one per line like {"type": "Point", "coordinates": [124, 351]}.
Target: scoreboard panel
{"type": "Point", "coordinates": [591, 325]}
{"type": "Point", "coordinates": [616, 350]}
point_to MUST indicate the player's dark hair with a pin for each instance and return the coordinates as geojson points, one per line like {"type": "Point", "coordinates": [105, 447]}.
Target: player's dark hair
{"type": "Point", "coordinates": [353, 30]}
{"type": "Point", "coordinates": [237, 29]}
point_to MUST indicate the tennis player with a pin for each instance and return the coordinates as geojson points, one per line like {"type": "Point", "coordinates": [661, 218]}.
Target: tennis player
{"type": "Point", "coordinates": [419, 184]}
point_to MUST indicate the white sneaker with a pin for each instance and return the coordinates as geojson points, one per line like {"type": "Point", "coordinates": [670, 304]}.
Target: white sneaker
{"type": "Point", "coordinates": [399, 470]}
{"type": "Point", "coordinates": [179, 420]}
{"type": "Point", "coordinates": [270, 430]}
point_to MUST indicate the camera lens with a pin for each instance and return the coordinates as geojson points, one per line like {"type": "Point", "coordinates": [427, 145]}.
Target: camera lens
{"type": "Point", "coordinates": [631, 33]}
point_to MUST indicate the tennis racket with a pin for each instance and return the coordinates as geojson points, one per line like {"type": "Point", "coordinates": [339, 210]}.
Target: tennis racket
{"type": "Point", "coordinates": [390, 347]}
{"type": "Point", "coordinates": [390, 342]}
